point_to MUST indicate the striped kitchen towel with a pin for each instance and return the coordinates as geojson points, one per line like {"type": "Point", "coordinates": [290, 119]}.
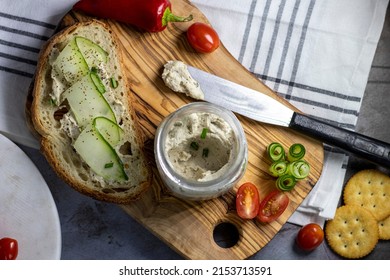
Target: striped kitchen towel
{"type": "Point", "coordinates": [315, 53]}
{"type": "Point", "coordinates": [24, 27]}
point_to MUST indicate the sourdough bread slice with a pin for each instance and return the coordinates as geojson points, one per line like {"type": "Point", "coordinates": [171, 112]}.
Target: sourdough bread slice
{"type": "Point", "coordinates": [53, 120]}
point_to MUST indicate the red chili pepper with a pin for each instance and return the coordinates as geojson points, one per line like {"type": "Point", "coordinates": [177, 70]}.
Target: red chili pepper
{"type": "Point", "coordinates": [149, 15]}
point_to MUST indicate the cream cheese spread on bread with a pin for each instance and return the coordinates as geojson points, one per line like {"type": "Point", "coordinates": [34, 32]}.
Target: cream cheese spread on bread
{"type": "Point", "coordinates": [106, 72]}
{"type": "Point", "coordinates": [104, 69]}
{"type": "Point", "coordinates": [79, 130]}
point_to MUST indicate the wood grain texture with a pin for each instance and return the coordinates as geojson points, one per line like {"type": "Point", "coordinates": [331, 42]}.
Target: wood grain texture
{"type": "Point", "coordinates": [187, 226]}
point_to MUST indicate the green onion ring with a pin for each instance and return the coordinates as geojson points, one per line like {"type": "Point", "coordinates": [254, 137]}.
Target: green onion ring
{"type": "Point", "coordinates": [296, 152]}
{"type": "Point", "coordinates": [299, 169]}
{"type": "Point", "coordinates": [286, 182]}
{"type": "Point", "coordinates": [275, 151]}
{"type": "Point", "coordinates": [278, 168]}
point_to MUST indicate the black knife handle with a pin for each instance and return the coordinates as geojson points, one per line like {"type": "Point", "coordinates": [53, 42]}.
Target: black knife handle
{"type": "Point", "coordinates": [364, 146]}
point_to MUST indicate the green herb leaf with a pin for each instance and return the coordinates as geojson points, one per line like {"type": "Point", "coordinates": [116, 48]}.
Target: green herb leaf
{"type": "Point", "coordinates": [204, 133]}
{"type": "Point", "coordinates": [114, 83]}
{"type": "Point", "coordinates": [194, 145]}
{"type": "Point", "coordinates": [109, 165]}
{"type": "Point", "coordinates": [53, 102]}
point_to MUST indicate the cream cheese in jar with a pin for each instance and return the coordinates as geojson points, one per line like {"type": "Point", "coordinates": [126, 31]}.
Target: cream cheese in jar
{"type": "Point", "coordinates": [200, 146]}
{"type": "Point", "coordinates": [201, 151]}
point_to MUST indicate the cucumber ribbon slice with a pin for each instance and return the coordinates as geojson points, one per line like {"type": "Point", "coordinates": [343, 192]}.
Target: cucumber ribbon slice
{"type": "Point", "coordinates": [286, 182]}
{"type": "Point", "coordinates": [97, 151]}
{"type": "Point", "coordinates": [275, 151]}
{"type": "Point", "coordinates": [300, 169]}
{"type": "Point", "coordinates": [86, 100]}
{"type": "Point", "coordinates": [77, 58]}
{"type": "Point", "coordinates": [296, 152]}
{"type": "Point", "coordinates": [278, 168]}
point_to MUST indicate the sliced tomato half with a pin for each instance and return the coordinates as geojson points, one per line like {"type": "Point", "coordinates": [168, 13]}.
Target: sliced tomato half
{"type": "Point", "coordinates": [272, 206]}
{"type": "Point", "coordinates": [247, 201]}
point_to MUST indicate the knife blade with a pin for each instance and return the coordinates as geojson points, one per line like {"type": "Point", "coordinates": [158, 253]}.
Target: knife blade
{"type": "Point", "coordinates": [263, 108]}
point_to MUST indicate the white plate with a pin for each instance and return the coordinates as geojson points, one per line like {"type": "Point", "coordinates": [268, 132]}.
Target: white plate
{"type": "Point", "coordinates": [27, 210]}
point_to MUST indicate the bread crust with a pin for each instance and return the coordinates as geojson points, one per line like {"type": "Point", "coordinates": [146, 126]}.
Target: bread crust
{"type": "Point", "coordinates": [58, 149]}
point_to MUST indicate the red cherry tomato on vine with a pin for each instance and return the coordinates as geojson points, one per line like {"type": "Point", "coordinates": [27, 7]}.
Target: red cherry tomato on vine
{"type": "Point", "coordinates": [310, 237]}
{"type": "Point", "coordinates": [247, 201]}
{"type": "Point", "coordinates": [8, 249]}
{"type": "Point", "coordinates": [272, 206]}
{"type": "Point", "coordinates": [202, 37]}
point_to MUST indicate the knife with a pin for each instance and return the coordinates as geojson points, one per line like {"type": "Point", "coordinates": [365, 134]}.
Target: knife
{"type": "Point", "coordinates": [261, 107]}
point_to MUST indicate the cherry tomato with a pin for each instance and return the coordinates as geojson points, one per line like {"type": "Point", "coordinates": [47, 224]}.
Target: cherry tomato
{"type": "Point", "coordinates": [272, 206]}
{"type": "Point", "coordinates": [8, 249]}
{"type": "Point", "coordinates": [247, 201]}
{"type": "Point", "coordinates": [202, 37]}
{"type": "Point", "coordinates": [310, 237]}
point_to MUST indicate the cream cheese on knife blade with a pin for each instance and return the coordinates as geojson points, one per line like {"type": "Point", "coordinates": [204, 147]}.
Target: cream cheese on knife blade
{"type": "Point", "coordinates": [178, 79]}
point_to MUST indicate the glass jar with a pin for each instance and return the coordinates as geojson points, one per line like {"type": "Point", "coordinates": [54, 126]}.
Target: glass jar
{"type": "Point", "coordinates": [176, 151]}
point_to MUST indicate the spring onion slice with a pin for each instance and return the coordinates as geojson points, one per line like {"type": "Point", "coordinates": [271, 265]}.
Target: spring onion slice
{"type": "Point", "coordinates": [204, 133]}
{"type": "Point", "coordinates": [299, 169]}
{"type": "Point", "coordinates": [286, 182]}
{"type": "Point", "coordinates": [114, 83]}
{"type": "Point", "coordinates": [296, 152]}
{"type": "Point", "coordinates": [205, 152]}
{"type": "Point", "coordinates": [275, 151]}
{"type": "Point", "coordinates": [278, 168]}
{"type": "Point", "coordinates": [194, 145]}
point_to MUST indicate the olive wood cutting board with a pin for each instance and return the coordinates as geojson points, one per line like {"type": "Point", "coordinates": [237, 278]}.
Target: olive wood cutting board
{"type": "Point", "coordinates": [188, 227]}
